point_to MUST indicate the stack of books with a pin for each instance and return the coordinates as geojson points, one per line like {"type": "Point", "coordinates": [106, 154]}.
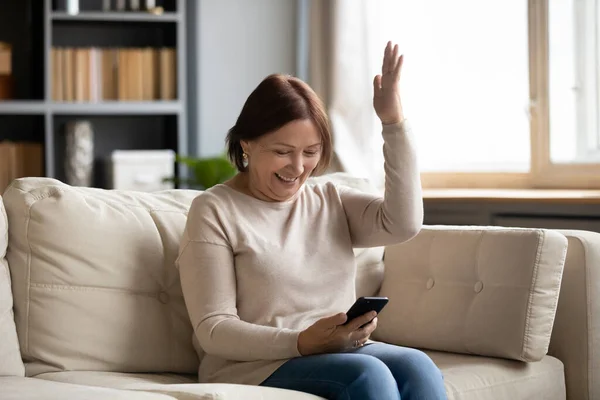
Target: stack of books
{"type": "Point", "coordinates": [117, 74]}
{"type": "Point", "coordinates": [5, 71]}
{"type": "Point", "coordinates": [19, 159]}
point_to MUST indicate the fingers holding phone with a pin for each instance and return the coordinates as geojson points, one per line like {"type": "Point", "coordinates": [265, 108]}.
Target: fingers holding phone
{"type": "Point", "coordinates": [342, 331]}
{"type": "Point", "coordinates": [361, 335]}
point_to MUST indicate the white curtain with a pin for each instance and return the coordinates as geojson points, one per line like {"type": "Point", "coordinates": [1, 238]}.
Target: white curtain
{"type": "Point", "coordinates": [464, 82]}
{"type": "Point", "coordinates": [345, 51]}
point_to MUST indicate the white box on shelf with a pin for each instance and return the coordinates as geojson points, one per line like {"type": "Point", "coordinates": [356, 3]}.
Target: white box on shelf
{"type": "Point", "coordinates": [142, 170]}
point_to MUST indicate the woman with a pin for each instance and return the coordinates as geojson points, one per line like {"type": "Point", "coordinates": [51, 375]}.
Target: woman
{"type": "Point", "coordinates": [266, 261]}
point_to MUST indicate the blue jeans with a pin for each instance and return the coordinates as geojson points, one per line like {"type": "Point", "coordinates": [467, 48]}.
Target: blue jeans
{"type": "Point", "coordinates": [375, 371]}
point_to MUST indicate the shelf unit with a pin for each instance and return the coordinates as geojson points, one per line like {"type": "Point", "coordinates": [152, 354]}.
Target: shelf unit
{"type": "Point", "coordinates": [120, 124]}
{"type": "Point", "coordinates": [129, 16]}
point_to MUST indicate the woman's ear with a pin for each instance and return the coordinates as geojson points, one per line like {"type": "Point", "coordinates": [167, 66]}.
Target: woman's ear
{"type": "Point", "coordinates": [245, 146]}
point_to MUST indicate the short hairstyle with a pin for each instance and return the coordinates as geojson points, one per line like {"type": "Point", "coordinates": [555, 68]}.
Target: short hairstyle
{"type": "Point", "coordinates": [276, 101]}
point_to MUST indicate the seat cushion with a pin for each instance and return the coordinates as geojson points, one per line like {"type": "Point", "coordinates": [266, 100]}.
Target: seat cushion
{"type": "Point", "coordinates": [466, 378]}
{"type": "Point", "coordinates": [482, 378]}
{"type": "Point", "coordinates": [178, 386]}
{"type": "Point", "coordinates": [19, 388]}
{"type": "Point", "coordinates": [10, 357]}
{"type": "Point", "coordinates": [487, 291]}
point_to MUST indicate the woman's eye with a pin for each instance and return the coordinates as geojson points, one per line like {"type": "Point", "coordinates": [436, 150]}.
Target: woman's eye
{"type": "Point", "coordinates": [311, 153]}
{"type": "Point", "coordinates": [281, 152]}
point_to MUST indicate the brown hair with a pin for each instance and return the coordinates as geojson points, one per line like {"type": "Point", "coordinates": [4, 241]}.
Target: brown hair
{"type": "Point", "coordinates": [276, 101]}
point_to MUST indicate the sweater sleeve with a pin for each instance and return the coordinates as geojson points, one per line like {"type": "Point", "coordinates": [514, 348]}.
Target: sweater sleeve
{"type": "Point", "coordinates": [398, 215]}
{"type": "Point", "coordinates": [208, 283]}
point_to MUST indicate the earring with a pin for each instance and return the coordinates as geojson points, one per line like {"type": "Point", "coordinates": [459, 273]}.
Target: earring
{"type": "Point", "coordinates": [245, 161]}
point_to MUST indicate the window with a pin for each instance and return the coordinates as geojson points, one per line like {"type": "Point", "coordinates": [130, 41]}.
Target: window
{"type": "Point", "coordinates": [501, 94]}
{"type": "Point", "coordinates": [574, 84]}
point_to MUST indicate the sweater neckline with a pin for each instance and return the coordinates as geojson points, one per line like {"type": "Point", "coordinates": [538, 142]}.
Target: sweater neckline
{"type": "Point", "coordinates": [271, 204]}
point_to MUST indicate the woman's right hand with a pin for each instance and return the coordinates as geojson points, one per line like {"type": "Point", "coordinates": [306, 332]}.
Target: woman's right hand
{"type": "Point", "coordinates": [329, 335]}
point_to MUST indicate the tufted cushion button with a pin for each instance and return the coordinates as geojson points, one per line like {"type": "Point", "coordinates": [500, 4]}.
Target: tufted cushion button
{"type": "Point", "coordinates": [478, 287]}
{"type": "Point", "coordinates": [163, 297]}
{"type": "Point", "coordinates": [430, 283]}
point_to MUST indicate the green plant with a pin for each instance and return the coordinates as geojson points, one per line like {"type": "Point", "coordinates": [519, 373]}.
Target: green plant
{"type": "Point", "coordinates": [205, 172]}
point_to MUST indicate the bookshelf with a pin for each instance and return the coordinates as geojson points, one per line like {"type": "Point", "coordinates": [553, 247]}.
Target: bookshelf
{"type": "Point", "coordinates": [122, 120]}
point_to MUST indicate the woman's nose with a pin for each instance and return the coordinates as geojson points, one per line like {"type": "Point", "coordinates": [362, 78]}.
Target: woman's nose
{"type": "Point", "coordinates": [298, 165]}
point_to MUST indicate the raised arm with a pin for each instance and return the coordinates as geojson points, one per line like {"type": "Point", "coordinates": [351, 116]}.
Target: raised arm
{"type": "Point", "coordinates": [398, 216]}
{"type": "Point", "coordinates": [208, 282]}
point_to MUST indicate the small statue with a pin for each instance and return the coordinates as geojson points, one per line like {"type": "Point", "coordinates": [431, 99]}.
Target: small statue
{"type": "Point", "coordinates": [79, 157]}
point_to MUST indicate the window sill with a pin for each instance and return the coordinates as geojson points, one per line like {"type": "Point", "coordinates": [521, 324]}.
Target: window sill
{"type": "Point", "coordinates": [514, 195]}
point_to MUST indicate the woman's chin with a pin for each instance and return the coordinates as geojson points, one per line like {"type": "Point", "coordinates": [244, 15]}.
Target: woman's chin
{"type": "Point", "coordinates": [285, 190]}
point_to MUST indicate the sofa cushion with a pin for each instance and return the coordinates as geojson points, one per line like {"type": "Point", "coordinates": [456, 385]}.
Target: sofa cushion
{"type": "Point", "coordinates": [19, 388]}
{"type": "Point", "coordinates": [94, 282]}
{"type": "Point", "coordinates": [466, 378]}
{"type": "Point", "coordinates": [474, 290]}
{"type": "Point", "coordinates": [181, 387]}
{"type": "Point", "coordinates": [482, 378]}
{"type": "Point", "coordinates": [10, 357]}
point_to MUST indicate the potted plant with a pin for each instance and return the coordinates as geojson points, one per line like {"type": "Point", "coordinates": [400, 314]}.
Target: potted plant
{"type": "Point", "coordinates": [204, 172]}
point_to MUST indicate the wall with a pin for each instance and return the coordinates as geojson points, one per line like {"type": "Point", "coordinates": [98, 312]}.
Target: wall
{"type": "Point", "coordinates": [233, 45]}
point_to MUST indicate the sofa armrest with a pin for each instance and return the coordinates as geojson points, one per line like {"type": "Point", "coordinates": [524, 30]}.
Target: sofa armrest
{"type": "Point", "coordinates": [489, 291]}
{"type": "Point", "coordinates": [576, 334]}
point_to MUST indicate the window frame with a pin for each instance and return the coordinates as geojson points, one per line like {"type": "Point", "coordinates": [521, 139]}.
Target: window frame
{"type": "Point", "coordinates": [543, 174]}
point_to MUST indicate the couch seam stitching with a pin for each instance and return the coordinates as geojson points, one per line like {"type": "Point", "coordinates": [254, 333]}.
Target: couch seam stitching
{"type": "Point", "coordinates": [525, 343]}
{"type": "Point", "coordinates": [29, 251]}
{"type": "Point", "coordinates": [165, 310]}
{"type": "Point", "coordinates": [53, 190]}
{"type": "Point", "coordinates": [589, 315]}
{"type": "Point", "coordinates": [53, 286]}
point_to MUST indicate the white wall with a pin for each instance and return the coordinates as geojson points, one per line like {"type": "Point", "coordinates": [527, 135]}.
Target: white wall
{"type": "Point", "coordinates": [238, 43]}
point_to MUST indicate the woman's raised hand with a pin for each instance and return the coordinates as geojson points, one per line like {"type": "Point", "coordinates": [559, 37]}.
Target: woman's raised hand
{"type": "Point", "coordinates": [386, 91]}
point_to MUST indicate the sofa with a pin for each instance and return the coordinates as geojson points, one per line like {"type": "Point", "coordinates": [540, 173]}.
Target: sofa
{"type": "Point", "coordinates": [91, 304]}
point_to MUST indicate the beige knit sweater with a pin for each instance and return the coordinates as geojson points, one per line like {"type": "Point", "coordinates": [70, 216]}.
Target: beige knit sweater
{"type": "Point", "coordinates": [255, 273]}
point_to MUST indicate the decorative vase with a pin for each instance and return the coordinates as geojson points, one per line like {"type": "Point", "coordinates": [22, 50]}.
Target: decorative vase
{"type": "Point", "coordinates": [79, 155]}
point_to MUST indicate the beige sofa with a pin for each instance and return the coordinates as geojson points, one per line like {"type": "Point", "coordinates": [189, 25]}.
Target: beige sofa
{"type": "Point", "coordinates": [91, 304]}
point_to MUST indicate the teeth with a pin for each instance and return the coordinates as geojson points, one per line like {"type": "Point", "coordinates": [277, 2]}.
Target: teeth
{"type": "Point", "coordinates": [283, 178]}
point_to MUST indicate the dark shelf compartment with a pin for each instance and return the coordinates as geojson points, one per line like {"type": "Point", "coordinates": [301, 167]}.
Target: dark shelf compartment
{"type": "Point", "coordinates": [22, 26]}
{"type": "Point", "coordinates": [97, 5]}
{"type": "Point", "coordinates": [116, 133]}
{"type": "Point", "coordinates": [22, 128]}
{"type": "Point", "coordinates": [114, 34]}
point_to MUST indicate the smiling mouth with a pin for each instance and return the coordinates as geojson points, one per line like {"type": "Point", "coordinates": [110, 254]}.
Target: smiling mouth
{"type": "Point", "coordinates": [287, 180]}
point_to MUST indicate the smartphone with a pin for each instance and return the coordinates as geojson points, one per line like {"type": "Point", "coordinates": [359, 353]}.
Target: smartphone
{"type": "Point", "coordinates": [363, 305]}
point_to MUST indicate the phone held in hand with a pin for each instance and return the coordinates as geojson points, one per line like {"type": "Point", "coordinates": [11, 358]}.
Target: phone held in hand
{"type": "Point", "coordinates": [363, 305]}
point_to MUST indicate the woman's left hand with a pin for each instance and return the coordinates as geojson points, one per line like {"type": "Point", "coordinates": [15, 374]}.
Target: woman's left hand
{"type": "Point", "coordinates": [386, 92]}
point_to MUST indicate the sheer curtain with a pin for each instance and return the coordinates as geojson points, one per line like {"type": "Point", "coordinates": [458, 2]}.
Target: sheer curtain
{"type": "Point", "coordinates": [464, 85]}
{"type": "Point", "coordinates": [345, 42]}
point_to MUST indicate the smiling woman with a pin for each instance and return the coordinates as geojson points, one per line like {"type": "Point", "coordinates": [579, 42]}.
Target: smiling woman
{"type": "Point", "coordinates": [283, 131]}
{"type": "Point", "coordinates": [266, 259]}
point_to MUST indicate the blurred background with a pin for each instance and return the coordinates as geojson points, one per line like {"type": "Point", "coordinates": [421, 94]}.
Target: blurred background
{"type": "Point", "coordinates": [502, 96]}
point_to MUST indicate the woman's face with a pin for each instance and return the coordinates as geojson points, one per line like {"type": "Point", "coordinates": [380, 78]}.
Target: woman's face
{"type": "Point", "coordinates": [281, 161]}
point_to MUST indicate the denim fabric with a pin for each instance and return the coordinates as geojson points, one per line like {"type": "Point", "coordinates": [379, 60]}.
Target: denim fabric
{"type": "Point", "coordinates": [375, 371]}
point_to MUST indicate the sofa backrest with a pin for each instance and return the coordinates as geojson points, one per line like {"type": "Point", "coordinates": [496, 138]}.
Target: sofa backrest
{"type": "Point", "coordinates": [10, 357]}
{"type": "Point", "coordinates": [94, 280]}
